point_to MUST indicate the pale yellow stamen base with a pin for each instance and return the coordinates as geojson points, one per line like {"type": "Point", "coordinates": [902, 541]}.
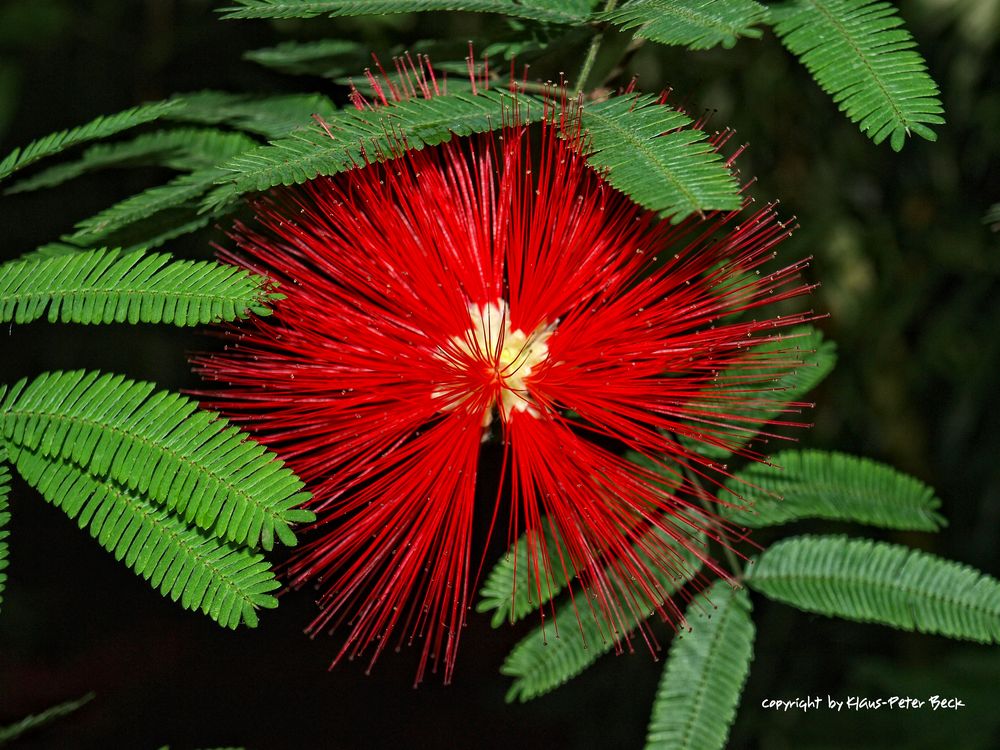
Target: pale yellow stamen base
{"type": "Point", "coordinates": [520, 354]}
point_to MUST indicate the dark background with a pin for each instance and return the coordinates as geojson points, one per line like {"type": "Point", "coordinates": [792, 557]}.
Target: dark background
{"type": "Point", "coordinates": [910, 279]}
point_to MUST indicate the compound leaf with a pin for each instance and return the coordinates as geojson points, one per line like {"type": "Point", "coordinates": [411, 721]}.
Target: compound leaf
{"type": "Point", "coordinates": [859, 53]}
{"type": "Point", "coordinates": [357, 134]}
{"type": "Point", "coordinates": [161, 446]}
{"type": "Point", "coordinates": [100, 127]}
{"type": "Point", "coordinates": [706, 668]}
{"type": "Point", "coordinates": [183, 562]}
{"type": "Point", "coordinates": [546, 658]}
{"type": "Point", "coordinates": [859, 579]}
{"type": "Point", "coordinates": [555, 11]}
{"type": "Point", "coordinates": [834, 486]}
{"type": "Point", "coordinates": [696, 24]}
{"type": "Point", "coordinates": [183, 149]}
{"type": "Point", "coordinates": [742, 418]}
{"type": "Point", "coordinates": [105, 286]}
{"type": "Point", "coordinates": [651, 155]}
{"type": "Point", "coordinates": [34, 721]}
{"type": "Point", "coordinates": [270, 116]}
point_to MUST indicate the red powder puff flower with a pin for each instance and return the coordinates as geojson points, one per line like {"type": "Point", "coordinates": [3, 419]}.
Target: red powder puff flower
{"type": "Point", "coordinates": [494, 294]}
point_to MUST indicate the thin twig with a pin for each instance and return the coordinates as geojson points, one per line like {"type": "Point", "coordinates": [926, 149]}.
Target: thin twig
{"type": "Point", "coordinates": [731, 558]}
{"type": "Point", "coordinates": [588, 61]}
{"type": "Point", "coordinates": [689, 474]}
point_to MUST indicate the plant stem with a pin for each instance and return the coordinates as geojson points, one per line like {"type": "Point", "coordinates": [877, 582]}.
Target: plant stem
{"type": "Point", "coordinates": [588, 61]}
{"type": "Point", "coordinates": [734, 562]}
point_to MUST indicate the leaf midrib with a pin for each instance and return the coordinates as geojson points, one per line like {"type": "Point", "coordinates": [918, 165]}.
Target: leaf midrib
{"type": "Point", "coordinates": [67, 294]}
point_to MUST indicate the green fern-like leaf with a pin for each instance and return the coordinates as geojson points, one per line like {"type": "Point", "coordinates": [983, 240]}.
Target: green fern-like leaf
{"type": "Point", "coordinates": [510, 591]}
{"type": "Point", "coordinates": [859, 53]}
{"type": "Point", "coordinates": [739, 421]}
{"type": "Point", "coordinates": [311, 152]}
{"type": "Point", "coordinates": [859, 579]}
{"type": "Point", "coordinates": [161, 446]}
{"type": "Point", "coordinates": [34, 721]}
{"type": "Point", "coordinates": [184, 149]}
{"type": "Point", "coordinates": [834, 486]}
{"type": "Point", "coordinates": [181, 192]}
{"type": "Point", "coordinates": [706, 668]}
{"type": "Point", "coordinates": [696, 24]}
{"type": "Point", "coordinates": [547, 658]}
{"type": "Point", "coordinates": [270, 116]}
{"type": "Point", "coordinates": [555, 11]}
{"type": "Point", "coordinates": [4, 519]}
{"type": "Point", "coordinates": [105, 286]}
{"type": "Point", "coordinates": [187, 564]}
{"type": "Point", "coordinates": [652, 156]}
{"type": "Point", "coordinates": [101, 127]}
{"type": "Point", "coordinates": [327, 58]}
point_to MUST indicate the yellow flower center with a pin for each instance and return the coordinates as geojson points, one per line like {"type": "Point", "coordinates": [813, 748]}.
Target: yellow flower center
{"type": "Point", "coordinates": [508, 356]}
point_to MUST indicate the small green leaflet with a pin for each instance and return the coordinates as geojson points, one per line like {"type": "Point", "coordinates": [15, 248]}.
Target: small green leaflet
{"type": "Point", "coordinates": [695, 24]}
{"type": "Point", "coordinates": [555, 11]}
{"type": "Point", "coordinates": [859, 579]}
{"type": "Point", "coordinates": [834, 486]}
{"type": "Point", "coordinates": [160, 445]}
{"type": "Point", "coordinates": [652, 155]}
{"type": "Point", "coordinates": [860, 54]}
{"type": "Point", "coordinates": [704, 674]}
{"type": "Point", "coordinates": [100, 127]}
